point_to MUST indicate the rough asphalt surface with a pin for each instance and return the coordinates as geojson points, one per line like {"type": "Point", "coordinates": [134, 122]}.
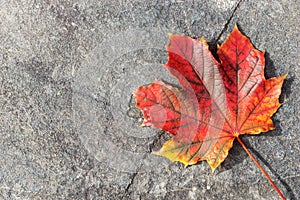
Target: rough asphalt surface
{"type": "Point", "coordinates": [68, 126]}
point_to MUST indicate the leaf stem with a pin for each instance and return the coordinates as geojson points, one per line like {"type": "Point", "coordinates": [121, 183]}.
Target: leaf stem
{"type": "Point", "coordinates": [261, 168]}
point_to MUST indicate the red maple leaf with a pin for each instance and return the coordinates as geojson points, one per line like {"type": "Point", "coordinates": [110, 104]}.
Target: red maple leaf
{"type": "Point", "coordinates": [216, 103]}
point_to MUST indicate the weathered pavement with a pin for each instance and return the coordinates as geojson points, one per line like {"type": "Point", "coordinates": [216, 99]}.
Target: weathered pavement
{"type": "Point", "coordinates": [68, 127]}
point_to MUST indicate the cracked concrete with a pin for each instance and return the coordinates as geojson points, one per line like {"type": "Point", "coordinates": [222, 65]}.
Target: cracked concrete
{"type": "Point", "coordinates": [229, 20]}
{"type": "Point", "coordinates": [68, 126]}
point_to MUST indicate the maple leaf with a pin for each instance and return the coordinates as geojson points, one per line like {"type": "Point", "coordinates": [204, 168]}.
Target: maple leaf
{"type": "Point", "coordinates": [217, 101]}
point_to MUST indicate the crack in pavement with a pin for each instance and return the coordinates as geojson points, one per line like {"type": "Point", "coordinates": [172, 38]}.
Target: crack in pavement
{"type": "Point", "coordinates": [134, 175]}
{"type": "Point", "coordinates": [130, 183]}
{"type": "Point", "coordinates": [228, 21]}
{"type": "Point", "coordinates": [132, 180]}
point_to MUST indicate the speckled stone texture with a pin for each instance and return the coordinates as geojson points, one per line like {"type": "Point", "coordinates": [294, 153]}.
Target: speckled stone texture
{"type": "Point", "coordinates": [68, 125]}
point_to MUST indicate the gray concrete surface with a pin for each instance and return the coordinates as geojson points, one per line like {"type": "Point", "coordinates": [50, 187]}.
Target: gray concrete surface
{"type": "Point", "coordinates": [68, 127]}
